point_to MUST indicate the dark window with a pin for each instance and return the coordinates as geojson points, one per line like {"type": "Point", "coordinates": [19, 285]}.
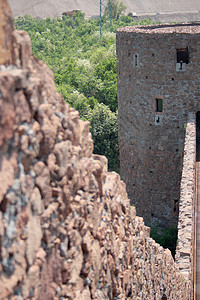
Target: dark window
{"type": "Point", "coordinates": [182, 55]}
{"type": "Point", "coordinates": [175, 208]}
{"type": "Point", "coordinates": [157, 119]}
{"type": "Point", "coordinates": [175, 205]}
{"type": "Point", "coordinates": [159, 105]}
{"type": "Point", "coordinates": [136, 60]}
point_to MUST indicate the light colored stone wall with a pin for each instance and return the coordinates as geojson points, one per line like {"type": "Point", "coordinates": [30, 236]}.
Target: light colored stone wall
{"type": "Point", "coordinates": [67, 230]}
{"type": "Point", "coordinates": [186, 222]}
{"type": "Point", "coordinates": [151, 155]}
{"type": "Point", "coordinates": [169, 17]}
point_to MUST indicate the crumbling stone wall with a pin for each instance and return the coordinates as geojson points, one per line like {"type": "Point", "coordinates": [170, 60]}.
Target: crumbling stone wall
{"type": "Point", "coordinates": [186, 224]}
{"type": "Point", "coordinates": [67, 230]}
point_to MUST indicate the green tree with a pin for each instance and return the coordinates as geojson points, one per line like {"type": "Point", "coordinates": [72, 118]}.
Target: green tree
{"type": "Point", "coordinates": [117, 8]}
{"type": "Point", "coordinates": [107, 73]}
{"type": "Point", "coordinates": [104, 129]}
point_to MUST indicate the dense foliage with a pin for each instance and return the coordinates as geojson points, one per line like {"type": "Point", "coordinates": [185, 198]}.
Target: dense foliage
{"type": "Point", "coordinates": [84, 67]}
{"type": "Point", "coordinates": [166, 237]}
{"type": "Point", "coordinates": [116, 8]}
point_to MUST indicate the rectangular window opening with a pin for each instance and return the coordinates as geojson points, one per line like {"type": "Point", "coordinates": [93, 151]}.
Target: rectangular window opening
{"type": "Point", "coordinates": [182, 55]}
{"type": "Point", "coordinates": [159, 105]}
{"type": "Point", "coordinates": [136, 60]}
{"type": "Point", "coordinates": [175, 207]}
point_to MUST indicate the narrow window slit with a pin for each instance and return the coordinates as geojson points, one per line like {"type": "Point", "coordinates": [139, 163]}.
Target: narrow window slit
{"type": "Point", "coordinates": [158, 120]}
{"type": "Point", "coordinates": [182, 56]}
{"type": "Point", "coordinates": [175, 207]}
{"type": "Point", "coordinates": [159, 105]}
{"type": "Point", "coordinates": [136, 60]}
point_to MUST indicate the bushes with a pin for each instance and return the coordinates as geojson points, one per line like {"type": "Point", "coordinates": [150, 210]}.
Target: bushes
{"type": "Point", "coordinates": [104, 129]}
{"type": "Point", "coordinates": [166, 237]}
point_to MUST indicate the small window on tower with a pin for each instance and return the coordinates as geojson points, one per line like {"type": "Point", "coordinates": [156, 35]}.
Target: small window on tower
{"type": "Point", "coordinates": [159, 105]}
{"type": "Point", "coordinates": [182, 55]}
{"type": "Point", "coordinates": [175, 208]}
{"type": "Point", "coordinates": [136, 62]}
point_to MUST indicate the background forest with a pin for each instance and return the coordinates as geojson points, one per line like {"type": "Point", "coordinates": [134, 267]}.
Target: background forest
{"type": "Point", "coordinates": [84, 66]}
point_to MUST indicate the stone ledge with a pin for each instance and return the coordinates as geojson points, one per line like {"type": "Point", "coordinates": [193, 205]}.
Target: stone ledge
{"type": "Point", "coordinates": [185, 243]}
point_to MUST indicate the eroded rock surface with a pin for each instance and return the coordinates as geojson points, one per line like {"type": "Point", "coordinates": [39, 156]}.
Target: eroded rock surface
{"type": "Point", "coordinates": [6, 29]}
{"type": "Point", "coordinates": [67, 230]}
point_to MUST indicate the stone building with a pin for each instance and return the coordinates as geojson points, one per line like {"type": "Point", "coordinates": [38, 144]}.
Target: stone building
{"type": "Point", "coordinates": [158, 85]}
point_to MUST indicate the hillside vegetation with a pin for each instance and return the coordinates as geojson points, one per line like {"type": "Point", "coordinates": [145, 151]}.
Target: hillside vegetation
{"type": "Point", "coordinates": [84, 66]}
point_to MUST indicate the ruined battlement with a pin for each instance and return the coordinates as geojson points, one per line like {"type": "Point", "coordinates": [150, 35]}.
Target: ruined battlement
{"type": "Point", "coordinates": [190, 28]}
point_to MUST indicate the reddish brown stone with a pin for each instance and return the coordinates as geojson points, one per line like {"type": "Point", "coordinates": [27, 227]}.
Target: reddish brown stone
{"type": "Point", "coordinates": [8, 168]}
{"type": "Point", "coordinates": [7, 111]}
{"type": "Point", "coordinates": [6, 29]}
{"type": "Point", "coordinates": [43, 181]}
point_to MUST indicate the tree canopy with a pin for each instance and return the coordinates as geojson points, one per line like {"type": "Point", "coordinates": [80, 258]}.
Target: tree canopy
{"type": "Point", "coordinates": [117, 7]}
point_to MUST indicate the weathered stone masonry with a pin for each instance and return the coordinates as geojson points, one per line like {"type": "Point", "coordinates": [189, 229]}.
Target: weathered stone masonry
{"type": "Point", "coordinates": [186, 221]}
{"type": "Point", "coordinates": [67, 230]}
{"type": "Point", "coordinates": [158, 84]}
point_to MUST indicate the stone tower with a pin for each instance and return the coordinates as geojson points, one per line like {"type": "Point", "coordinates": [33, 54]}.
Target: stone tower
{"type": "Point", "coordinates": [158, 84]}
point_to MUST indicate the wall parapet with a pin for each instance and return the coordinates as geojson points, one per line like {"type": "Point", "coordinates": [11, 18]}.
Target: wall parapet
{"type": "Point", "coordinates": [186, 222]}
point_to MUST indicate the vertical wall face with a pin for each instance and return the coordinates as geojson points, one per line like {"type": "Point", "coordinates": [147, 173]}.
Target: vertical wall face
{"type": "Point", "coordinates": [158, 83]}
{"type": "Point", "coordinates": [6, 29]}
{"type": "Point", "coordinates": [185, 249]}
